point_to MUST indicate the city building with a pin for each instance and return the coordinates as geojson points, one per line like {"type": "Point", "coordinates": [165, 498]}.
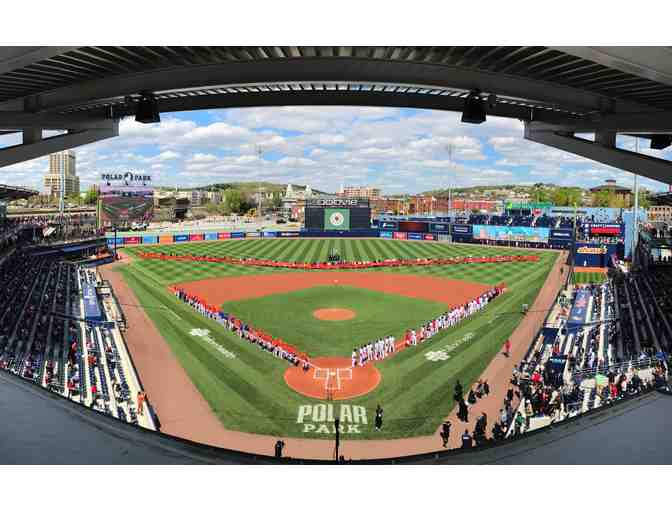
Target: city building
{"type": "Point", "coordinates": [294, 201]}
{"type": "Point", "coordinates": [62, 164]}
{"type": "Point", "coordinates": [660, 213]}
{"type": "Point", "coordinates": [360, 192]}
{"type": "Point", "coordinates": [195, 197]}
{"type": "Point", "coordinates": [429, 205]}
{"type": "Point", "coordinates": [215, 197]}
{"type": "Point", "coordinates": [611, 187]}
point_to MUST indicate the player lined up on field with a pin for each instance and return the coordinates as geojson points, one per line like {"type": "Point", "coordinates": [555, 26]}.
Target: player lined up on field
{"type": "Point", "coordinates": [384, 347]}
{"type": "Point", "coordinates": [263, 340]}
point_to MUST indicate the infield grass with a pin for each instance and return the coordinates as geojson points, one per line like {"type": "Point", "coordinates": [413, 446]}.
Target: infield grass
{"type": "Point", "coordinates": [290, 317]}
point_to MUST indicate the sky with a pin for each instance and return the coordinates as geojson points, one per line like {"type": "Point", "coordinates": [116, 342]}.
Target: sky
{"type": "Point", "coordinates": [396, 149]}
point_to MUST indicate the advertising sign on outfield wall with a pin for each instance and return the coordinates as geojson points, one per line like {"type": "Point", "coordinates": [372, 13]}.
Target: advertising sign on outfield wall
{"type": "Point", "coordinates": [133, 240]}
{"type": "Point", "coordinates": [196, 237]}
{"type": "Point", "coordinates": [386, 235]}
{"type": "Point", "coordinates": [439, 227]}
{"type": "Point", "coordinates": [465, 230]}
{"type": "Point", "coordinates": [237, 235]}
{"type": "Point", "coordinates": [288, 234]}
{"type": "Point", "coordinates": [269, 234]}
{"type": "Point", "coordinates": [430, 237]}
{"type": "Point", "coordinates": [224, 235]}
{"type": "Point", "coordinates": [415, 236]}
{"type": "Point", "coordinates": [388, 225]}
{"type": "Point", "coordinates": [558, 234]}
{"type": "Point", "coordinates": [181, 238]}
{"type": "Point", "coordinates": [150, 239]}
{"type": "Point", "coordinates": [211, 236]}
{"type": "Point", "coordinates": [165, 239]}
{"type": "Point", "coordinates": [399, 235]}
{"type": "Point", "coordinates": [253, 234]}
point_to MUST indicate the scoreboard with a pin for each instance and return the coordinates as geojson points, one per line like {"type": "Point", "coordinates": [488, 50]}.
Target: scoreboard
{"type": "Point", "coordinates": [337, 213]}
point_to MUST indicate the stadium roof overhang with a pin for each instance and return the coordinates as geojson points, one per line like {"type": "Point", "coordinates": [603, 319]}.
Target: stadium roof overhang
{"type": "Point", "coordinates": [557, 91]}
{"type": "Point", "coordinates": [15, 192]}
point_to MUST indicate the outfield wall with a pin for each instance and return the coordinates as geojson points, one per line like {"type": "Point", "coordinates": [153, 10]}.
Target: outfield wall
{"type": "Point", "coordinates": [588, 254]}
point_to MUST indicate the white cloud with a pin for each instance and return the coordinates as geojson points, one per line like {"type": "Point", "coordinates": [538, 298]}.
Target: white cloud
{"type": "Point", "coordinates": [391, 148]}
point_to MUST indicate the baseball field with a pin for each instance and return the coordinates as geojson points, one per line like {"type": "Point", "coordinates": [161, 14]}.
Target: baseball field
{"type": "Point", "coordinates": [250, 390]}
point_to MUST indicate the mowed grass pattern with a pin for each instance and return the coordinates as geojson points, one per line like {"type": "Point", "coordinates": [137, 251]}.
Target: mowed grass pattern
{"type": "Point", "coordinates": [290, 316]}
{"type": "Point", "coordinates": [589, 278]}
{"type": "Point", "coordinates": [248, 393]}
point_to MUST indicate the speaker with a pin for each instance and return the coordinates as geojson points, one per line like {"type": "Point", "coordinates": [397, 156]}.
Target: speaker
{"type": "Point", "coordinates": [474, 109]}
{"type": "Point", "coordinates": [147, 110]}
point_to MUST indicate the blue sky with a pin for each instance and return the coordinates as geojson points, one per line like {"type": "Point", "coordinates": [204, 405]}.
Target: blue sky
{"type": "Point", "coordinates": [398, 150]}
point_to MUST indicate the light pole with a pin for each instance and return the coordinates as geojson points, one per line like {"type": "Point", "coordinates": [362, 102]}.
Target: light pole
{"type": "Point", "coordinates": [450, 186]}
{"type": "Point", "coordinates": [635, 221]}
{"type": "Point", "coordinates": [259, 189]}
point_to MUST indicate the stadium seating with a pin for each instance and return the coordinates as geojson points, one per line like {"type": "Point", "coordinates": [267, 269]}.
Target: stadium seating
{"type": "Point", "coordinates": [45, 339]}
{"type": "Point", "coordinates": [544, 222]}
{"type": "Point", "coordinates": [624, 340]}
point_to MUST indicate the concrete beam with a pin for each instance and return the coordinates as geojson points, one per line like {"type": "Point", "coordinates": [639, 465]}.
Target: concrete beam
{"type": "Point", "coordinates": [650, 62]}
{"type": "Point", "coordinates": [640, 164]}
{"type": "Point", "coordinates": [17, 57]}
{"type": "Point", "coordinates": [25, 120]}
{"type": "Point", "coordinates": [318, 69]}
{"type": "Point", "coordinates": [620, 123]}
{"type": "Point", "coordinates": [27, 151]}
{"type": "Point", "coordinates": [342, 98]}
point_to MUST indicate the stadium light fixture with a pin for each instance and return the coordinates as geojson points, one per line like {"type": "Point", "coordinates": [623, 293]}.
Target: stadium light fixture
{"type": "Point", "coordinates": [474, 108]}
{"type": "Point", "coordinates": [660, 142]}
{"type": "Point", "coordinates": [147, 110]}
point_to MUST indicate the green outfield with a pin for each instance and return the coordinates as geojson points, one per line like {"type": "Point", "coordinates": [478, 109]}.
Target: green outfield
{"type": "Point", "coordinates": [589, 277]}
{"type": "Point", "coordinates": [245, 385]}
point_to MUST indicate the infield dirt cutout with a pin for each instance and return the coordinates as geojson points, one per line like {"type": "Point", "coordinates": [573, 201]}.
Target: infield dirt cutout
{"type": "Point", "coordinates": [334, 314]}
{"type": "Point", "coordinates": [333, 377]}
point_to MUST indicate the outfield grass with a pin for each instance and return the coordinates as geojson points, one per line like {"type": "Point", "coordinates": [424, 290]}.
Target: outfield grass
{"type": "Point", "coordinates": [591, 277]}
{"type": "Point", "coordinates": [248, 393]}
{"type": "Point", "coordinates": [290, 316]}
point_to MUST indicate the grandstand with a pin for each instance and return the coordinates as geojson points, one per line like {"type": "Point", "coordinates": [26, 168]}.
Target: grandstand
{"type": "Point", "coordinates": [49, 336]}
{"type": "Point", "coordinates": [601, 343]}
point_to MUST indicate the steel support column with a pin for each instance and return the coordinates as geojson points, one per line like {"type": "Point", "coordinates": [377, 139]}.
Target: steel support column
{"type": "Point", "coordinates": [640, 164]}
{"type": "Point", "coordinates": [26, 151]}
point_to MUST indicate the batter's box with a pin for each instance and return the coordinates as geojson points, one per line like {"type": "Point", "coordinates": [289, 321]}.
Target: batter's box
{"type": "Point", "coordinates": [332, 376]}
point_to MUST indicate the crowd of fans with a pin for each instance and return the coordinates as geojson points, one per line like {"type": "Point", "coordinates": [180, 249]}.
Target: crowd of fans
{"type": "Point", "coordinates": [42, 338]}
{"type": "Point", "coordinates": [53, 228]}
{"type": "Point", "coordinates": [581, 367]}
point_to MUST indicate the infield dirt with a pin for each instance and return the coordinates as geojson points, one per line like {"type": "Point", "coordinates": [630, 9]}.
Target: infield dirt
{"type": "Point", "coordinates": [217, 291]}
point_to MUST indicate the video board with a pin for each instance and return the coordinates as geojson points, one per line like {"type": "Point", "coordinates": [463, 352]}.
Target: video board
{"type": "Point", "coordinates": [122, 205]}
{"type": "Point", "coordinates": [510, 233]}
{"type": "Point", "coordinates": [337, 213]}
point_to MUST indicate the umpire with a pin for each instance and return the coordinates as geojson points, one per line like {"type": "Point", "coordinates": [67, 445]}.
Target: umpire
{"type": "Point", "coordinates": [279, 445]}
{"type": "Point", "coordinates": [379, 417]}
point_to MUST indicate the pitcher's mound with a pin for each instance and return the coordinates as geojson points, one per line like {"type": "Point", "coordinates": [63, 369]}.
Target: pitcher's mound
{"type": "Point", "coordinates": [333, 379]}
{"type": "Point", "coordinates": [334, 314]}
